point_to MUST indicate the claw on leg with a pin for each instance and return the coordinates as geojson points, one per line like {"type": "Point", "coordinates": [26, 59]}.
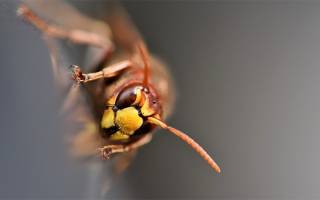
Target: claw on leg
{"type": "Point", "coordinates": [107, 72]}
{"type": "Point", "coordinates": [77, 74]}
{"type": "Point", "coordinates": [107, 151]}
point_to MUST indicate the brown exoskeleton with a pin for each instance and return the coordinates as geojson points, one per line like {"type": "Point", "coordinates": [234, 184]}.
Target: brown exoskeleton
{"type": "Point", "coordinates": [130, 90]}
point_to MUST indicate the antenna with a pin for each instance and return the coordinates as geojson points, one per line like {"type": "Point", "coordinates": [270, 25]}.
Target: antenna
{"type": "Point", "coordinates": [146, 61]}
{"type": "Point", "coordinates": [188, 140]}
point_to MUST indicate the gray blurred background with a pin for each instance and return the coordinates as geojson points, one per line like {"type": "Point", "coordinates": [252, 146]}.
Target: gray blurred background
{"type": "Point", "coordinates": [247, 75]}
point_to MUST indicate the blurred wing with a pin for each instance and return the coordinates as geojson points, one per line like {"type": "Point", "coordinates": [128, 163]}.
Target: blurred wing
{"type": "Point", "coordinates": [82, 126]}
{"type": "Point", "coordinates": [112, 20]}
{"type": "Point", "coordinates": [125, 33]}
{"type": "Point", "coordinates": [68, 17]}
{"type": "Point", "coordinates": [61, 13]}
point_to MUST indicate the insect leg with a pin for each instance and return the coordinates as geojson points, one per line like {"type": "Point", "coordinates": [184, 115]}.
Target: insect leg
{"type": "Point", "coordinates": [107, 72]}
{"type": "Point", "coordinates": [74, 35]}
{"type": "Point", "coordinates": [107, 150]}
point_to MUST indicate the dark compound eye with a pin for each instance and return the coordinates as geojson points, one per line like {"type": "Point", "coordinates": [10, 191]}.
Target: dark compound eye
{"type": "Point", "coordinates": [126, 97]}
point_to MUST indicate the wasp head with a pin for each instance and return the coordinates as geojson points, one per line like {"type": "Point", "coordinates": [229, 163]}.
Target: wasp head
{"type": "Point", "coordinates": [127, 112]}
{"type": "Point", "coordinates": [136, 110]}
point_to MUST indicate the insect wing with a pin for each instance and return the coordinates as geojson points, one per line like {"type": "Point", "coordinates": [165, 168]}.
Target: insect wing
{"type": "Point", "coordinates": [125, 33]}
{"type": "Point", "coordinates": [69, 18]}
{"type": "Point", "coordinates": [63, 14]}
{"type": "Point", "coordinates": [82, 125]}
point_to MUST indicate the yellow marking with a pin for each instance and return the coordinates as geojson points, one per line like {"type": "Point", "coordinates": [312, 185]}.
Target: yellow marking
{"type": "Point", "coordinates": [146, 109]}
{"type": "Point", "coordinates": [138, 96]}
{"type": "Point", "coordinates": [119, 136]}
{"type": "Point", "coordinates": [112, 100]}
{"type": "Point", "coordinates": [107, 118]}
{"type": "Point", "coordinates": [128, 120]}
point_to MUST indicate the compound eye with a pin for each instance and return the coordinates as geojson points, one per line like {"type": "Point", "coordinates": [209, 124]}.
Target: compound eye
{"type": "Point", "coordinates": [127, 97]}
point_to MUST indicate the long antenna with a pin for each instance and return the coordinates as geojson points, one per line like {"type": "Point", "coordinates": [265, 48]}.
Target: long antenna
{"type": "Point", "coordinates": [146, 61]}
{"type": "Point", "coordinates": [188, 140]}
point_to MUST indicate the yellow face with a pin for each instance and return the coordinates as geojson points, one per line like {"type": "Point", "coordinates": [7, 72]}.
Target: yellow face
{"type": "Point", "coordinates": [127, 112]}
